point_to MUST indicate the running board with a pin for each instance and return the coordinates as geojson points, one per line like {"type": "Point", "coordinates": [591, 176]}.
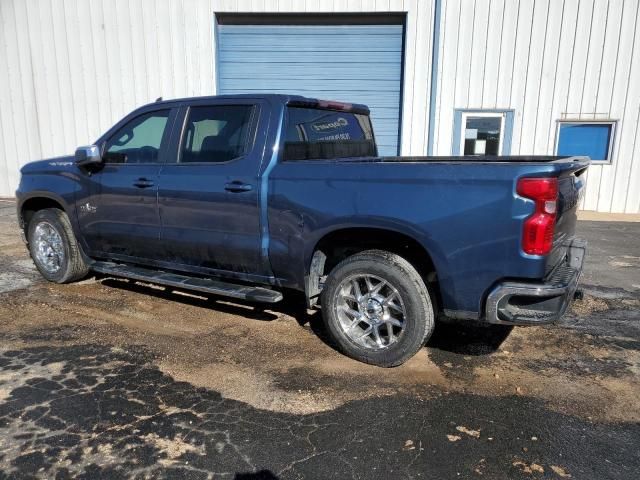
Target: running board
{"type": "Point", "coordinates": [206, 285]}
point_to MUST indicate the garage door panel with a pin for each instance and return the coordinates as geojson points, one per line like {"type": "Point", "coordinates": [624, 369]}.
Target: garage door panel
{"type": "Point", "coordinates": [310, 30]}
{"type": "Point", "coordinates": [352, 71]}
{"type": "Point", "coordinates": [315, 83]}
{"type": "Point", "coordinates": [298, 44]}
{"type": "Point", "coordinates": [359, 64]}
{"type": "Point", "coordinates": [328, 36]}
{"type": "Point", "coordinates": [385, 144]}
{"type": "Point", "coordinates": [285, 56]}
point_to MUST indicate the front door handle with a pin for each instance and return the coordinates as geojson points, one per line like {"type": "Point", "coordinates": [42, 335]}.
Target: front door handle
{"type": "Point", "coordinates": [237, 186]}
{"type": "Point", "coordinates": [143, 183]}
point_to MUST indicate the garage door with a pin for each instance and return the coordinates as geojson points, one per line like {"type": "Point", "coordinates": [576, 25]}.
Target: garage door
{"type": "Point", "coordinates": [352, 63]}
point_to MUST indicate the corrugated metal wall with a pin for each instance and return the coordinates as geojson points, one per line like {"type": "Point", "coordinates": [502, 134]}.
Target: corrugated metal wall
{"type": "Point", "coordinates": [70, 68]}
{"type": "Point", "coordinates": [547, 60]}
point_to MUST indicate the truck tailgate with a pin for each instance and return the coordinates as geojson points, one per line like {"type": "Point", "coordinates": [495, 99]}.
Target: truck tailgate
{"type": "Point", "coordinates": [571, 184]}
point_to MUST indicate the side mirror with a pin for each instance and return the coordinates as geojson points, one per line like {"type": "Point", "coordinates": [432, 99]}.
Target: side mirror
{"type": "Point", "coordinates": [88, 156]}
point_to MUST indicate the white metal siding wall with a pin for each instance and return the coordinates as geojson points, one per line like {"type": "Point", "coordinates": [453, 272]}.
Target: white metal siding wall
{"type": "Point", "coordinates": [547, 59]}
{"type": "Point", "coordinates": [70, 69]}
{"type": "Point", "coordinates": [350, 63]}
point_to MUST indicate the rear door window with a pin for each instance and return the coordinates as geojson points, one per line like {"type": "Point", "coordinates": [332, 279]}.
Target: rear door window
{"type": "Point", "coordinates": [316, 134]}
{"type": "Point", "coordinates": [216, 133]}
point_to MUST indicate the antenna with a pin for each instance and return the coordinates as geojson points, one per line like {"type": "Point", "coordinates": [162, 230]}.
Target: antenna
{"type": "Point", "coordinates": [159, 99]}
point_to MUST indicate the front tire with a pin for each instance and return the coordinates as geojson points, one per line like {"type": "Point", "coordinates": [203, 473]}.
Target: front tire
{"type": "Point", "coordinates": [54, 248]}
{"type": "Point", "coordinates": [377, 308]}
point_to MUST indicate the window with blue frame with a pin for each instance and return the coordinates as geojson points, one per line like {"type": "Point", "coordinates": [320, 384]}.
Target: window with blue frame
{"type": "Point", "coordinates": [591, 139]}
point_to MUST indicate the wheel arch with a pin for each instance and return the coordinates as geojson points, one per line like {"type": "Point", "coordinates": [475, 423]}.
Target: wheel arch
{"type": "Point", "coordinates": [339, 243]}
{"type": "Point", "coordinates": [38, 201]}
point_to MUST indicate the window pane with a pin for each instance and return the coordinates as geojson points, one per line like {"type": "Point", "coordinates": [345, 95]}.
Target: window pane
{"type": "Point", "coordinates": [326, 134]}
{"type": "Point", "coordinates": [216, 133]}
{"type": "Point", "coordinates": [139, 140]}
{"type": "Point", "coordinates": [482, 135]}
{"type": "Point", "coordinates": [590, 139]}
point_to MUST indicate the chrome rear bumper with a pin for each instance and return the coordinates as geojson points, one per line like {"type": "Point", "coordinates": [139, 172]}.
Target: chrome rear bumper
{"type": "Point", "coordinates": [534, 303]}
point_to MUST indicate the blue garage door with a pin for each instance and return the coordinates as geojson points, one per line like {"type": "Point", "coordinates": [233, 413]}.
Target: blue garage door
{"type": "Point", "coordinates": [352, 63]}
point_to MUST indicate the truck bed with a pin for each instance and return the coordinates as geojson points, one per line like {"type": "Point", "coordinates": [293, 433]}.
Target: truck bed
{"type": "Point", "coordinates": [533, 159]}
{"type": "Point", "coordinates": [463, 210]}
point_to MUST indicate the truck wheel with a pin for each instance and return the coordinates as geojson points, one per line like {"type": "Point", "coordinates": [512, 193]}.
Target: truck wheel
{"type": "Point", "coordinates": [54, 248]}
{"type": "Point", "coordinates": [377, 308]}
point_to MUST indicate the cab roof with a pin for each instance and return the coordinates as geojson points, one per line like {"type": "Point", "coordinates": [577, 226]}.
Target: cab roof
{"type": "Point", "coordinates": [286, 99]}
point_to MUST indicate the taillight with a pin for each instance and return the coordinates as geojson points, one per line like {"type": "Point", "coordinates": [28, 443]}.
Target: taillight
{"type": "Point", "coordinates": [537, 234]}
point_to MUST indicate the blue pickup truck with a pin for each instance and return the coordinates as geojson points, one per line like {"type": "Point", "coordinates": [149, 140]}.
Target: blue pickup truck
{"type": "Point", "coordinates": [251, 196]}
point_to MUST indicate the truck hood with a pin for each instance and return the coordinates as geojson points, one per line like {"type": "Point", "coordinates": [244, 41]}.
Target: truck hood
{"type": "Point", "coordinates": [50, 164]}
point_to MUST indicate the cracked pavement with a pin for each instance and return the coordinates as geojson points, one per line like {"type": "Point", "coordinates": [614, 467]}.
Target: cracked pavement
{"type": "Point", "coordinates": [113, 379]}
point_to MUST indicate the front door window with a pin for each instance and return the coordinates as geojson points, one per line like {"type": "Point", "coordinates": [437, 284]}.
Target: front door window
{"type": "Point", "coordinates": [138, 141]}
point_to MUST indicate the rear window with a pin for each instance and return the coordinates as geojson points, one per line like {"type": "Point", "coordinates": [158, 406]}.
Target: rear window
{"type": "Point", "coordinates": [315, 134]}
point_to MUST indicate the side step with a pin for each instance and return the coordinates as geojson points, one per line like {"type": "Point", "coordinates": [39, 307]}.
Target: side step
{"type": "Point", "coordinates": [206, 285]}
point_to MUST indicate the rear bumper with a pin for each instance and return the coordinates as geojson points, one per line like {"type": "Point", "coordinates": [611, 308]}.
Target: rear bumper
{"type": "Point", "coordinates": [535, 303]}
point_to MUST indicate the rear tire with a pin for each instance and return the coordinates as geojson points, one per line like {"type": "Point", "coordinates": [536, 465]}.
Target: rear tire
{"type": "Point", "coordinates": [377, 308]}
{"type": "Point", "coordinates": [54, 248]}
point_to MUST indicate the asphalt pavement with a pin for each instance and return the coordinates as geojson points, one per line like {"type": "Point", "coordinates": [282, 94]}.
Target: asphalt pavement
{"type": "Point", "coordinates": [114, 379]}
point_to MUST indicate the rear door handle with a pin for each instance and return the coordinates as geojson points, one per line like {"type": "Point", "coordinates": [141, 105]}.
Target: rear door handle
{"type": "Point", "coordinates": [237, 186]}
{"type": "Point", "coordinates": [143, 183]}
